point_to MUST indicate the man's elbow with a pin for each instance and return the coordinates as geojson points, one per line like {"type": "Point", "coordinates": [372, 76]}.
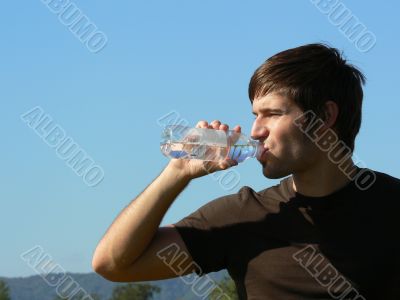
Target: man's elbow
{"type": "Point", "coordinates": [108, 269]}
{"type": "Point", "coordinates": [101, 266]}
{"type": "Point", "coordinates": [104, 266]}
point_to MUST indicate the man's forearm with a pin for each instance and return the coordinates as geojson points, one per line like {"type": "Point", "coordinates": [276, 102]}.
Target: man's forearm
{"type": "Point", "coordinates": [132, 231]}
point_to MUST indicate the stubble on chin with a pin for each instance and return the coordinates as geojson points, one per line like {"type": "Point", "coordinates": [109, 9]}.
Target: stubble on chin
{"type": "Point", "coordinates": [271, 173]}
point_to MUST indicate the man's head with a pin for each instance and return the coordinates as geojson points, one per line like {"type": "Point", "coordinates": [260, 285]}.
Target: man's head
{"type": "Point", "coordinates": [312, 77]}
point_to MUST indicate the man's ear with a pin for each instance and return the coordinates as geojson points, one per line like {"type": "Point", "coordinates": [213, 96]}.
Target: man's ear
{"type": "Point", "coordinates": [331, 112]}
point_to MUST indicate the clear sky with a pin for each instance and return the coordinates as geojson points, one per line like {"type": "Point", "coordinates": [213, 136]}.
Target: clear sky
{"type": "Point", "coordinates": [191, 57]}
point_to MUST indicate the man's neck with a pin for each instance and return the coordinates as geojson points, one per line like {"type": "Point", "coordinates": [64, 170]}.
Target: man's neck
{"type": "Point", "coordinates": [322, 180]}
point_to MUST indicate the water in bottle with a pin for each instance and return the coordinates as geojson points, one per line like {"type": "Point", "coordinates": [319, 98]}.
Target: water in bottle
{"type": "Point", "coordinates": [206, 144]}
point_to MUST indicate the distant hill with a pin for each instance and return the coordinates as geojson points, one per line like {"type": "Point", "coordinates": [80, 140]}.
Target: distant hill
{"type": "Point", "coordinates": [35, 288]}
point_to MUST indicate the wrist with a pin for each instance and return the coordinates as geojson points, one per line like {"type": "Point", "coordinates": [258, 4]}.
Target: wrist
{"type": "Point", "coordinates": [177, 173]}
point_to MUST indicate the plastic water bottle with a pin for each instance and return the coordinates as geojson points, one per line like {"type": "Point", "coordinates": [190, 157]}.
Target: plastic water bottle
{"type": "Point", "coordinates": [206, 144]}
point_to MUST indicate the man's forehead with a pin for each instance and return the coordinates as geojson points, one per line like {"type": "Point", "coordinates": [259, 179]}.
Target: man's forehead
{"type": "Point", "coordinates": [271, 101]}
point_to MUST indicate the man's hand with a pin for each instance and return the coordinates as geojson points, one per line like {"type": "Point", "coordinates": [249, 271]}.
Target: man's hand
{"type": "Point", "coordinates": [193, 168]}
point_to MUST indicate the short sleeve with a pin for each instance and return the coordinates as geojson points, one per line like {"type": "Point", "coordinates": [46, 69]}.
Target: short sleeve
{"type": "Point", "coordinates": [208, 233]}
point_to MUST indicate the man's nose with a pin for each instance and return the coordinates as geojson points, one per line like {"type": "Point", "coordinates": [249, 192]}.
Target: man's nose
{"type": "Point", "coordinates": [259, 132]}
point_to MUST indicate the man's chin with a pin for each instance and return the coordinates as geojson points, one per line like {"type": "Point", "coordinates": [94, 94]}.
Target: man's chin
{"type": "Point", "coordinates": [272, 173]}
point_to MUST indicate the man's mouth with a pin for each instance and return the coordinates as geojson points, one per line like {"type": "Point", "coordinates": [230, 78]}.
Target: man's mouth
{"type": "Point", "coordinates": [262, 152]}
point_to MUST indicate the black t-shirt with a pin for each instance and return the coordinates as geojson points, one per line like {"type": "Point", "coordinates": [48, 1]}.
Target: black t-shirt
{"type": "Point", "coordinates": [278, 244]}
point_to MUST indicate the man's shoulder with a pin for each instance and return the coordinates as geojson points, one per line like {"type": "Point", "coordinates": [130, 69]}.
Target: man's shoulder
{"type": "Point", "coordinates": [280, 192]}
{"type": "Point", "coordinates": [267, 200]}
{"type": "Point", "coordinates": [382, 195]}
{"type": "Point", "coordinates": [249, 202]}
{"type": "Point", "coordinates": [385, 182]}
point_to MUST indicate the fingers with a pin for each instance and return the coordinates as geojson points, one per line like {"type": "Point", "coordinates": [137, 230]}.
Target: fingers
{"type": "Point", "coordinates": [217, 125]}
{"type": "Point", "coordinates": [211, 166]}
{"type": "Point", "coordinates": [227, 163]}
{"type": "Point", "coordinates": [237, 128]}
{"type": "Point", "coordinates": [202, 124]}
{"type": "Point", "coordinates": [224, 127]}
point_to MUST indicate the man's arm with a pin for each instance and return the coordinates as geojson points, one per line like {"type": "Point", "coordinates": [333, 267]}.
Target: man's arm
{"type": "Point", "coordinates": [128, 250]}
{"type": "Point", "coordinates": [121, 255]}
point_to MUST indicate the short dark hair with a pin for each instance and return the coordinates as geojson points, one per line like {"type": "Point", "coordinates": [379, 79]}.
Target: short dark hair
{"type": "Point", "coordinates": [311, 75]}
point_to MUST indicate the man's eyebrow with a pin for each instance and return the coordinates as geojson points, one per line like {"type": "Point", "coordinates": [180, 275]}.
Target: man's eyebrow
{"type": "Point", "coordinates": [269, 110]}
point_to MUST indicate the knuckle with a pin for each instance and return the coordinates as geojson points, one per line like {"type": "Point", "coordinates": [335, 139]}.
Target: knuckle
{"type": "Point", "coordinates": [202, 123]}
{"type": "Point", "coordinates": [225, 125]}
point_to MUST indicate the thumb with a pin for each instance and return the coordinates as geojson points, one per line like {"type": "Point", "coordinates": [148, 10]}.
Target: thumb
{"type": "Point", "coordinates": [227, 163]}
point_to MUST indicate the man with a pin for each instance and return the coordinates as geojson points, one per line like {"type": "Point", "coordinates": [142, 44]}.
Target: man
{"type": "Point", "coordinates": [326, 231]}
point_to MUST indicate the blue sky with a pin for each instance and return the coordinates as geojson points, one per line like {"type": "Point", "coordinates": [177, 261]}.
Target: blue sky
{"type": "Point", "coordinates": [194, 58]}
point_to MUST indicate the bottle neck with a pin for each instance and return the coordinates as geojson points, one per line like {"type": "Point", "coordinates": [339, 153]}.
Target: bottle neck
{"type": "Point", "coordinates": [257, 147]}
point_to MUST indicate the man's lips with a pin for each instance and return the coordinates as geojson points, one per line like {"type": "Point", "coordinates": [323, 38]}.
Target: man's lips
{"type": "Point", "coordinates": [262, 152]}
